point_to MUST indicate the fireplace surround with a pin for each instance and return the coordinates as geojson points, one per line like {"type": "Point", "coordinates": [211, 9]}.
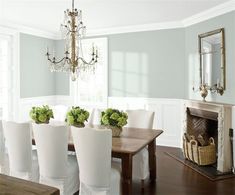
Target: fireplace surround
{"type": "Point", "coordinates": [212, 119]}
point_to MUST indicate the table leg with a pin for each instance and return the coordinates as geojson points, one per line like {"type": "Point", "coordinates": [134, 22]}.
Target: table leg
{"type": "Point", "coordinates": [126, 174]}
{"type": "Point", "coordinates": [152, 160]}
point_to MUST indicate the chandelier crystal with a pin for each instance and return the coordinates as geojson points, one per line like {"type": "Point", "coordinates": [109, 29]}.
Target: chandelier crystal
{"type": "Point", "coordinates": [73, 62]}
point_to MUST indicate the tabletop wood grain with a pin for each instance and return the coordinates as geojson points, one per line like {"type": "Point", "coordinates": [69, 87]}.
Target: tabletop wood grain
{"type": "Point", "coordinates": [133, 140]}
{"type": "Point", "coordinates": [14, 186]}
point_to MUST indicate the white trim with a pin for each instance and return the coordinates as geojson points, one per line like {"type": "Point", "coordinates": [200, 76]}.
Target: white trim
{"type": "Point", "coordinates": [167, 111]}
{"type": "Point", "coordinates": [15, 61]}
{"type": "Point", "coordinates": [135, 28]}
{"type": "Point", "coordinates": [197, 18]}
{"type": "Point", "coordinates": [210, 13]}
{"type": "Point", "coordinates": [25, 105]}
{"type": "Point", "coordinates": [16, 75]}
{"type": "Point", "coordinates": [40, 100]}
{"type": "Point", "coordinates": [167, 115]}
{"type": "Point", "coordinates": [31, 31]}
{"type": "Point", "coordinates": [63, 100]}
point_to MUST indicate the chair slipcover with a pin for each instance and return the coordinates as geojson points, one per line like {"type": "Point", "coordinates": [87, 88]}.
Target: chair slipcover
{"type": "Point", "coordinates": [140, 119]}
{"type": "Point", "coordinates": [59, 112]}
{"type": "Point", "coordinates": [23, 161]}
{"type": "Point", "coordinates": [57, 168]}
{"type": "Point", "coordinates": [93, 149]}
{"type": "Point", "coordinates": [4, 162]}
{"type": "Point", "coordinates": [96, 117]}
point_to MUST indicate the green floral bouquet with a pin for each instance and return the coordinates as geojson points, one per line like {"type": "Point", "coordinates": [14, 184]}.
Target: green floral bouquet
{"type": "Point", "coordinates": [77, 116]}
{"type": "Point", "coordinates": [41, 114]}
{"type": "Point", "coordinates": [114, 119]}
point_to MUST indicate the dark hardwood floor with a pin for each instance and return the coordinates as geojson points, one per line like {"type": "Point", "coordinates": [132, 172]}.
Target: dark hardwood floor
{"type": "Point", "coordinates": [173, 178]}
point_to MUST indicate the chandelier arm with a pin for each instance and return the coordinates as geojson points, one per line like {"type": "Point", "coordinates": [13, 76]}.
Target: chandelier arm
{"type": "Point", "coordinates": [56, 62]}
{"type": "Point", "coordinates": [80, 29]}
{"type": "Point", "coordinates": [85, 62]}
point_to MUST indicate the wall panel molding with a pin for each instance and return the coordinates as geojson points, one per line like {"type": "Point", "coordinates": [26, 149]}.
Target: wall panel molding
{"type": "Point", "coordinates": [167, 115]}
{"type": "Point", "coordinates": [167, 112]}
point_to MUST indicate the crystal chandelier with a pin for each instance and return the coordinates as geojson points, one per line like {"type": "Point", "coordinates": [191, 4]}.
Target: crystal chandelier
{"type": "Point", "coordinates": [73, 62]}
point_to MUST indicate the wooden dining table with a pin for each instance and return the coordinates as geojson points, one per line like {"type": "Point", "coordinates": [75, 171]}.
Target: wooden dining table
{"type": "Point", "coordinates": [124, 147]}
{"type": "Point", "coordinates": [130, 142]}
{"type": "Point", "coordinates": [12, 186]}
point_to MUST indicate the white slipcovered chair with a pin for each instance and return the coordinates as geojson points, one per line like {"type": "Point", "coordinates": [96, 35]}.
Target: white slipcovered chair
{"type": "Point", "coordinates": [4, 163]}
{"type": "Point", "coordinates": [57, 168]}
{"type": "Point", "coordinates": [93, 149]}
{"type": "Point", "coordinates": [91, 114]}
{"type": "Point", "coordinates": [2, 149]}
{"type": "Point", "coordinates": [96, 117]}
{"type": "Point", "coordinates": [59, 112]}
{"type": "Point", "coordinates": [140, 119]}
{"type": "Point", "coordinates": [23, 161]}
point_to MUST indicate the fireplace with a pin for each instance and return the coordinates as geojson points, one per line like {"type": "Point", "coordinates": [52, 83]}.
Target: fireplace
{"type": "Point", "coordinates": [211, 120]}
{"type": "Point", "coordinates": [201, 122]}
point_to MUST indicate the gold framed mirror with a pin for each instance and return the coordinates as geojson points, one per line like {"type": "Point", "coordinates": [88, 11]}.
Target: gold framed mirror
{"type": "Point", "coordinates": [212, 62]}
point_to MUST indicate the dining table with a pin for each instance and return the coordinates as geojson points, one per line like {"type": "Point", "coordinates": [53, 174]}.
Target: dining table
{"type": "Point", "coordinates": [124, 147]}
{"type": "Point", "coordinates": [131, 141]}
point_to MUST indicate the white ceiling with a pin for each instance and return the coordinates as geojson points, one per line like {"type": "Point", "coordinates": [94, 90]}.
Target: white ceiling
{"type": "Point", "coordinates": [47, 15]}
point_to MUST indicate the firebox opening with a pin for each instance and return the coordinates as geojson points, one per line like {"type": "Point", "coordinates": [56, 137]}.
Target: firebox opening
{"type": "Point", "coordinates": [204, 123]}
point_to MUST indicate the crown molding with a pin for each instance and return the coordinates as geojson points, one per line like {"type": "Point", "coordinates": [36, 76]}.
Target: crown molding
{"type": "Point", "coordinates": [210, 13]}
{"type": "Point", "coordinates": [197, 18]}
{"type": "Point", "coordinates": [29, 30]}
{"type": "Point", "coordinates": [135, 28]}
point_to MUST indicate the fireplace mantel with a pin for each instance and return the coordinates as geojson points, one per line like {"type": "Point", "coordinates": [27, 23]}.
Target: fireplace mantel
{"type": "Point", "coordinates": [224, 111]}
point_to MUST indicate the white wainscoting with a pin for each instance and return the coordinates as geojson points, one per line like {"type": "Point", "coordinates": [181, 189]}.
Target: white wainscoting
{"type": "Point", "coordinates": [25, 104]}
{"type": "Point", "coordinates": [168, 112]}
{"type": "Point", "coordinates": [168, 115]}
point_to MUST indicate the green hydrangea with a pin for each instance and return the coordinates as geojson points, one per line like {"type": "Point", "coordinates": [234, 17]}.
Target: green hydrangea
{"type": "Point", "coordinates": [114, 117]}
{"type": "Point", "coordinates": [77, 116]}
{"type": "Point", "coordinates": [41, 114]}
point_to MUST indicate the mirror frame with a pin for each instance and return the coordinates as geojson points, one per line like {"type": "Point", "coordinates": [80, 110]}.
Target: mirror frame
{"type": "Point", "coordinates": [223, 61]}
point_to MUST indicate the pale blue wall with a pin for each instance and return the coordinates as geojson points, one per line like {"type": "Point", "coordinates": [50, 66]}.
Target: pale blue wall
{"type": "Point", "coordinates": [35, 77]}
{"type": "Point", "coordinates": [226, 21]}
{"type": "Point", "coordinates": [61, 78]}
{"type": "Point", "coordinates": [147, 64]}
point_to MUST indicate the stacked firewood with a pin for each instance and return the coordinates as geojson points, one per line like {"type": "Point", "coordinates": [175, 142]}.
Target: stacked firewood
{"type": "Point", "coordinates": [201, 139]}
{"type": "Point", "coordinates": [199, 149]}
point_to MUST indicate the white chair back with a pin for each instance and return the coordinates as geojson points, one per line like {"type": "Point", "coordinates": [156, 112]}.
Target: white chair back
{"type": "Point", "coordinates": [93, 149]}
{"type": "Point", "coordinates": [91, 115]}
{"type": "Point", "coordinates": [2, 147]}
{"type": "Point", "coordinates": [19, 145]}
{"type": "Point", "coordinates": [96, 117]}
{"type": "Point", "coordinates": [59, 112]}
{"type": "Point", "coordinates": [140, 119]}
{"type": "Point", "coordinates": [52, 146]}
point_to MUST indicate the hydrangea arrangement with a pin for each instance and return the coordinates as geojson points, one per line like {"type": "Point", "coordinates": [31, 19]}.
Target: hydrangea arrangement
{"type": "Point", "coordinates": [41, 114]}
{"type": "Point", "coordinates": [114, 117]}
{"type": "Point", "coordinates": [77, 116]}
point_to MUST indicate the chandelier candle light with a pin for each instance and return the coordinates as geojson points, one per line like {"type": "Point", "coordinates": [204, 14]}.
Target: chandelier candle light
{"type": "Point", "coordinates": [73, 62]}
